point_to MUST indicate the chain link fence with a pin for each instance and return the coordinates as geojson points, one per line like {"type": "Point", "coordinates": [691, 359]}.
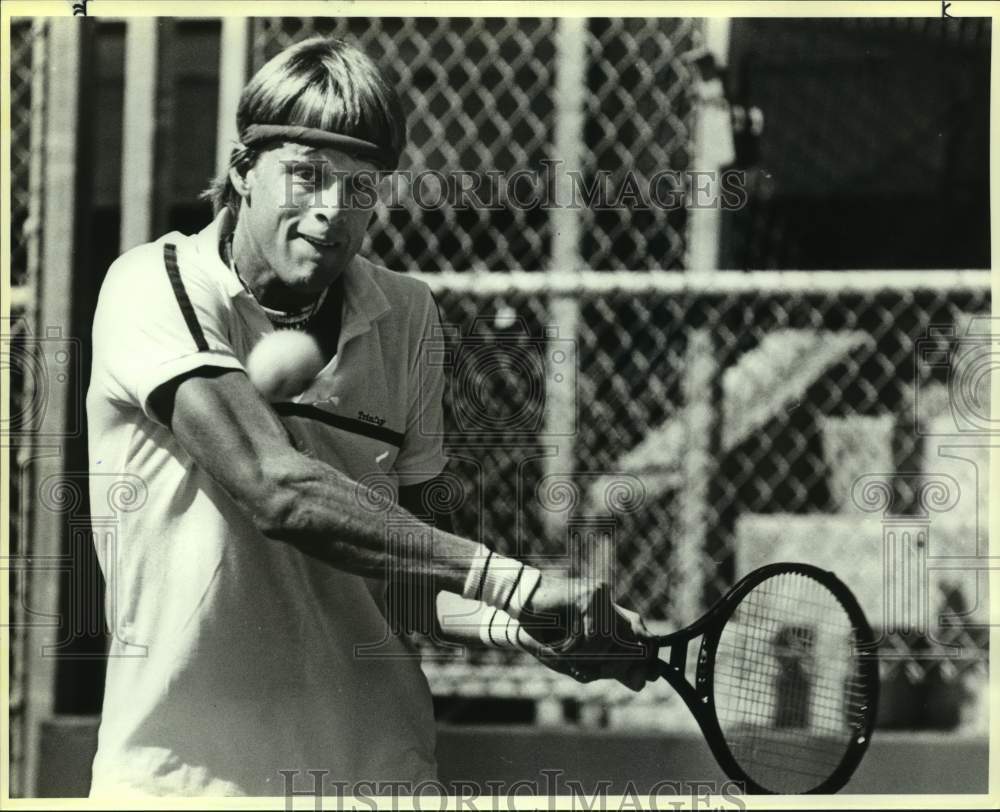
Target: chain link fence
{"type": "Point", "coordinates": [798, 394]}
{"type": "Point", "coordinates": [27, 49]}
{"type": "Point", "coordinates": [817, 392]}
{"type": "Point", "coordinates": [678, 432]}
{"type": "Point", "coordinates": [481, 97]}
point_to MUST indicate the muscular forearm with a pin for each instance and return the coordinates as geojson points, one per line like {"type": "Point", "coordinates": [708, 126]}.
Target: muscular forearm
{"type": "Point", "coordinates": [221, 421]}
{"type": "Point", "coordinates": [344, 523]}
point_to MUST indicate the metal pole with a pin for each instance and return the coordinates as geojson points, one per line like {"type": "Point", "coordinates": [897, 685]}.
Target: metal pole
{"type": "Point", "coordinates": [718, 283]}
{"type": "Point", "coordinates": [696, 513]}
{"type": "Point", "coordinates": [138, 131]}
{"type": "Point", "coordinates": [713, 147]}
{"type": "Point", "coordinates": [560, 383]}
{"type": "Point", "coordinates": [234, 57]}
{"type": "Point", "coordinates": [694, 507]}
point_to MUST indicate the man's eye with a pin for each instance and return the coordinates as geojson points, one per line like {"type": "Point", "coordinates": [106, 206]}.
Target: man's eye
{"type": "Point", "coordinates": [307, 174]}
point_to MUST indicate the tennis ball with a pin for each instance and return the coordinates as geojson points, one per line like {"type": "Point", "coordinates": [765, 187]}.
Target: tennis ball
{"type": "Point", "coordinates": [284, 363]}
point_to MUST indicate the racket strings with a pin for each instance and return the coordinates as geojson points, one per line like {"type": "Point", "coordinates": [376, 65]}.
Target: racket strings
{"type": "Point", "coordinates": [798, 694]}
{"type": "Point", "coordinates": [789, 695]}
{"type": "Point", "coordinates": [794, 682]}
{"type": "Point", "coordinates": [772, 667]}
{"type": "Point", "coordinates": [755, 687]}
{"type": "Point", "coordinates": [849, 689]}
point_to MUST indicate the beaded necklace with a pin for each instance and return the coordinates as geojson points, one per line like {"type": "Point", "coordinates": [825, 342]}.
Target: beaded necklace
{"type": "Point", "coordinates": [283, 320]}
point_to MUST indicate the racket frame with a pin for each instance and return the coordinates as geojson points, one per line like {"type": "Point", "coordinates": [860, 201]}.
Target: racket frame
{"type": "Point", "coordinates": [700, 697]}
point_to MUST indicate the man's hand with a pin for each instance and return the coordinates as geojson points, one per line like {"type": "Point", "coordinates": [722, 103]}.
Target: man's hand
{"type": "Point", "coordinates": [579, 631]}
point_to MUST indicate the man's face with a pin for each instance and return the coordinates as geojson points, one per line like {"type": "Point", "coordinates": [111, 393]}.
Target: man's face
{"type": "Point", "coordinates": [301, 219]}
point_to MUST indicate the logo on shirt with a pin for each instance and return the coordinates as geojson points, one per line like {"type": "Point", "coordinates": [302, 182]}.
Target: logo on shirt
{"type": "Point", "coordinates": [375, 420]}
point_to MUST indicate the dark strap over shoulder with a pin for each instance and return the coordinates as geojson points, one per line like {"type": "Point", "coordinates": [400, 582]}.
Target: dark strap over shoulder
{"type": "Point", "coordinates": [187, 309]}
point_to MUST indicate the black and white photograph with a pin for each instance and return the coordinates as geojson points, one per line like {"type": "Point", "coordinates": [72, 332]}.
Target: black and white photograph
{"type": "Point", "coordinates": [515, 406]}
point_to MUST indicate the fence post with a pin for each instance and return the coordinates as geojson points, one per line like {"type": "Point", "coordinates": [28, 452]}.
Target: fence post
{"type": "Point", "coordinates": [701, 390]}
{"type": "Point", "coordinates": [234, 59]}
{"type": "Point", "coordinates": [694, 513]}
{"type": "Point", "coordinates": [713, 148]}
{"type": "Point", "coordinates": [138, 131]}
{"type": "Point", "coordinates": [560, 382]}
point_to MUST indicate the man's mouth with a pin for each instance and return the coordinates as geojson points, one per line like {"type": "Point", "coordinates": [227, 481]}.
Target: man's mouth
{"type": "Point", "coordinates": [318, 242]}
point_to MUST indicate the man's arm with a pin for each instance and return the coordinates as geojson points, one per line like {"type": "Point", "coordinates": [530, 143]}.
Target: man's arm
{"type": "Point", "coordinates": [222, 422]}
{"type": "Point", "coordinates": [415, 499]}
{"type": "Point", "coordinates": [443, 614]}
{"type": "Point", "coordinates": [472, 622]}
{"type": "Point", "coordinates": [451, 616]}
{"type": "Point", "coordinates": [219, 418]}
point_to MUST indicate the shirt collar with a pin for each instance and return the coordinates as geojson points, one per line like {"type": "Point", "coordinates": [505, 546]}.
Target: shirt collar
{"type": "Point", "coordinates": [207, 243]}
{"type": "Point", "coordinates": [364, 300]}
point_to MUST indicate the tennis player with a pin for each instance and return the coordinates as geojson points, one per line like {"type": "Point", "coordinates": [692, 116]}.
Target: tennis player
{"type": "Point", "coordinates": [253, 561]}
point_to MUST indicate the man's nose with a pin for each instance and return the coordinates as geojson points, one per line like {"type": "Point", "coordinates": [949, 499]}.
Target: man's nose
{"type": "Point", "coordinates": [331, 205]}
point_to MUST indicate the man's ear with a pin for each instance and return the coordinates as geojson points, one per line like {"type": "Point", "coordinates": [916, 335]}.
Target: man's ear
{"type": "Point", "coordinates": [240, 174]}
{"type": "Point", "coordinates": [238, 177]}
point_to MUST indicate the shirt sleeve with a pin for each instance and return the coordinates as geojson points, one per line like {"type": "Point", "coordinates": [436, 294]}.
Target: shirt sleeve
{"type": "Point", "coordinates": [421, 456]}
{"type": "Point", "coordinates": [158, 317]}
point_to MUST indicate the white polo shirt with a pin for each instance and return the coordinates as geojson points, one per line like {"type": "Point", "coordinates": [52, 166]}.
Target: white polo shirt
{"type": "Point", "coordinates": [233, 656]}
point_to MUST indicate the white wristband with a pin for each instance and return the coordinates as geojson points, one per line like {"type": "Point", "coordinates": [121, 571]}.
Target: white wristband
{"type": "Point", "coordinates": [501, 582]}
{"type": "Point", "coordinates": [500, 630]}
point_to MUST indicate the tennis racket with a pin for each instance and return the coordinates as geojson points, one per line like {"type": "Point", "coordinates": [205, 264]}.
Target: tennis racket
{"type": "Point", "coordinates": [786, 682]}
